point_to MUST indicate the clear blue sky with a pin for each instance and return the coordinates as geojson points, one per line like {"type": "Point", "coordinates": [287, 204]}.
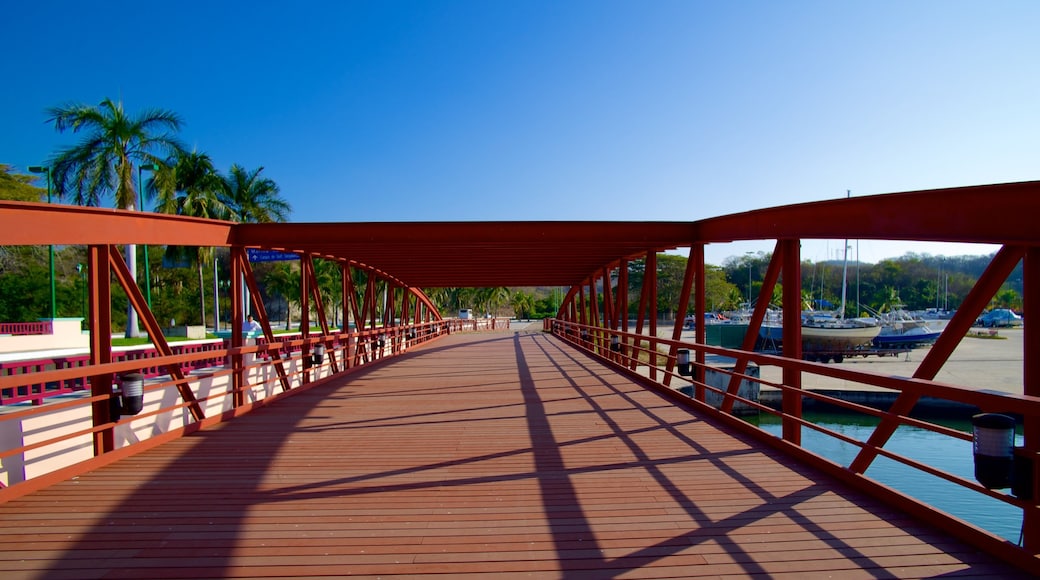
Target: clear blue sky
{"type": "Point", "coordinates": [527, 110]}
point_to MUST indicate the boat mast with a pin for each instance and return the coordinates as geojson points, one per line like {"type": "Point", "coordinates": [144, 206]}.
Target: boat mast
{"type": "Point", "coordinates": [844, 270]}
{"type": "Point", "coordinates": [844, 281]}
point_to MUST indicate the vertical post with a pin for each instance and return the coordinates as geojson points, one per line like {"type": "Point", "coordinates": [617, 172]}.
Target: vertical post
{"type": "Point", "coordinates": [238, 379]}
{"type": "Point", "coordinates": [346, 297]}
{"type": "Point", "coordinates": [216, 296]}
{"type": "Point", "coordinates": [593, 314]}
{"type": "Point", "coordinates": [644, 291]}
{"type": "Point", "coordinates": [609, 315]}
{"type": "Point", "coordinates": [305, 316]}
{"type": "Point", "coordinates": [680, 315]}
{"type": "Point", "coordinates": [791, 401]}
{"type": "Point", "coordinates": [582, 308]}
{"type": "Point", "coordinates": [699, 304]}
{"type": "Point", "coordinates": [651, 273]}
{"type": "Point", "coordinates": [1031, 387]}
{"type": "Point", "coordinates": [99, 276]}
{"type": "Point", "coordinates": [623, 303]}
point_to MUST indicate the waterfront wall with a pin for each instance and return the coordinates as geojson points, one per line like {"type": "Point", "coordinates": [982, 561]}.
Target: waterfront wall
{"type": "Point", "coordinates": [66, 333]}
{"type": "Point", "coordinates": [163, 411]}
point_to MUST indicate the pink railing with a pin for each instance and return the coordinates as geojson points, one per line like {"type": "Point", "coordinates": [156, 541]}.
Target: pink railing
{"type": "Point", "coordinates": [477, 324]}
{"type": "Point", "coordinates": [25, 328]}
{"type": "Point", "coordinates": [36, 392]}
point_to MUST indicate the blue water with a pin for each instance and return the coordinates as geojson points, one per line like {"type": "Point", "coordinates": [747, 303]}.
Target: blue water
{"type": "Point", "coordinates": [950, 455]}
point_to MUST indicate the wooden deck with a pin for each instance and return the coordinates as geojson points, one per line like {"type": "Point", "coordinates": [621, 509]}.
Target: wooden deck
{"type": "Point", "coordinates": [502, 453]}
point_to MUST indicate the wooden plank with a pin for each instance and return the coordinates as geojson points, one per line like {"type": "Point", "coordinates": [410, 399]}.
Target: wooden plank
{"type": "Point", "coordinates": [502, 453]}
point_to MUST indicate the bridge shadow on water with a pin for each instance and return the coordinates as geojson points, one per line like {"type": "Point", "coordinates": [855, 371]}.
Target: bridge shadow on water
{"type": "Point", "coordinates": [507, 452]}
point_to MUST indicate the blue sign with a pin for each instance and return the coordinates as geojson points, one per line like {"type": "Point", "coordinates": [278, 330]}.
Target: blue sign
{"type": "Point", "coordinates": [269, 255]}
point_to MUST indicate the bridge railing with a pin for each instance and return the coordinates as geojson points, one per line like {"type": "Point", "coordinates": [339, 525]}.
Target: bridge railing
{"type": "Point", "coordinates": [39, 441]}
{"type": "Point", "coordinates": [718, 390]}
{"type": "Point", "coordinates": [477, 324]}
{"type": "Point", "coordinates": [26, 328]}
{"type": "Point", "coordinates": [34, 389]}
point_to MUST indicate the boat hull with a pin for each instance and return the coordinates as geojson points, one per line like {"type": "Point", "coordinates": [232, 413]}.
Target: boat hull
{"type": "Point", "coordinates": [830, 338]}
{"type": "Point", "coordinates": [907, 340]}
{"type": "Point", "coordinates": [837, 339]}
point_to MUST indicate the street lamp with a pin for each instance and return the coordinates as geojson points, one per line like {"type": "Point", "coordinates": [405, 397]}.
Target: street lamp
{"type": "Point", "coordinates": [50, 249]}
{"type": "Point", "coordinates": [147, 266]}
{"type": "Point", "coordinates": [82, 270]}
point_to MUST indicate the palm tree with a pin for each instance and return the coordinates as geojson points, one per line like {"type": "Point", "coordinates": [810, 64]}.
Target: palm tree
{"type": "Point", "coordinates": [522, 303]}
{"type": "Point", "coordinates": [103, 162]}
{"type": "Point", "coordinates": [253, 199]}
{"type": "Point", "coordinates": [284, 280]}
{"type": "Point", "coordinates": [330, 286]}
{"type": "Point", "coordinates": [190, 185]}
{"type": "Point", "coordinates": [446, 299]}
{"type": "Point", "coordinates": [490, 299]}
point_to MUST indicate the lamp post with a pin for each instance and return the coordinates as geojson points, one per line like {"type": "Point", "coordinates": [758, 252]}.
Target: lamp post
{"type": "Point", "coordinates": [147, 266]}
{"type": "Point", "coordinates": [82, 270]}
{"type": "Point", "coordinates": [50, 249]}
{"type": "Point", "coordinates": [223, 285]}
{"type": "Point", "coordinates": [749, 280]}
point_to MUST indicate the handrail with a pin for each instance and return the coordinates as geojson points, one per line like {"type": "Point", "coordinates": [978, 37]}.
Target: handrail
{"type": "Point", "coordinates": [27, 328]}
{"type": "Point", "coordinates": [60, 422]}
{"type": "Point", "coordinates": [41, 382]}
{"type": "Point", "coordinates": [635, 350]}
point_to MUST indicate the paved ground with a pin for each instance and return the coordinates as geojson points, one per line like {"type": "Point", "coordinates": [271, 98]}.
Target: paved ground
{"type": "Point", "coordinates": [978, 363]}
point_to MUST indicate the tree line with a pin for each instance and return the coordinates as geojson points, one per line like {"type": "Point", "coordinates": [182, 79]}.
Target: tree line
{"type": "Point", "coordinates": [109, 164]}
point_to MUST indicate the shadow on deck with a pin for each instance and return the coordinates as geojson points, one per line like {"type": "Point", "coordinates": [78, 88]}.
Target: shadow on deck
{"type": "Point", "coordinates": [482, 453]}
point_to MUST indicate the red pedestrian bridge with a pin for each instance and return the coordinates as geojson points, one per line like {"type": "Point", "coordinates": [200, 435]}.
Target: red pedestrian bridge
{"type": "Point", "coordinates": [411, 444]}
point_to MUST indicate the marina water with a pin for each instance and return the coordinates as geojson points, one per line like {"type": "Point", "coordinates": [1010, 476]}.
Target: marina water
{"type": "Point", "coordinates": [946, 453]}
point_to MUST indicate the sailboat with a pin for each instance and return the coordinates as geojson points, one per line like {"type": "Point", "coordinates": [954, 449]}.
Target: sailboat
{"type": "Point", "coordinates": [901, 330]}
{"type": "Point", "coordinates": [828, 333]}
{"type": "Point", "coordinates": [831, 332]}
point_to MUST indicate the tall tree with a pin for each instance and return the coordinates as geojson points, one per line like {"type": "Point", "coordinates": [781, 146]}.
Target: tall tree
{"type": "Point", "coordinates": [522, 303]}
{"type": "Point", "coordinates": [252, 198]}
{"type": "Point", "coordinates": [284, 280]}
{"type": "Point", "coordinates": [103, 163]}
{"type": "Point", "coordinates": [19, 187]}
{"type": "Point", "coordinates": [190, 185]}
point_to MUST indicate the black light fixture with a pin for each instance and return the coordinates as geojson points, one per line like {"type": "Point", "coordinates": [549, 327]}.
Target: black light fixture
{"type": "Point", "coordinates": [993, 443]}
{"type": "Point", "coordinates": [683, 358]}
{"type": "Point", "coordinates": [615, 343]}
{"type": "Point", "coordinates": [128, 399]}
{"type": "Point", "coordinates": [318, 354]}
